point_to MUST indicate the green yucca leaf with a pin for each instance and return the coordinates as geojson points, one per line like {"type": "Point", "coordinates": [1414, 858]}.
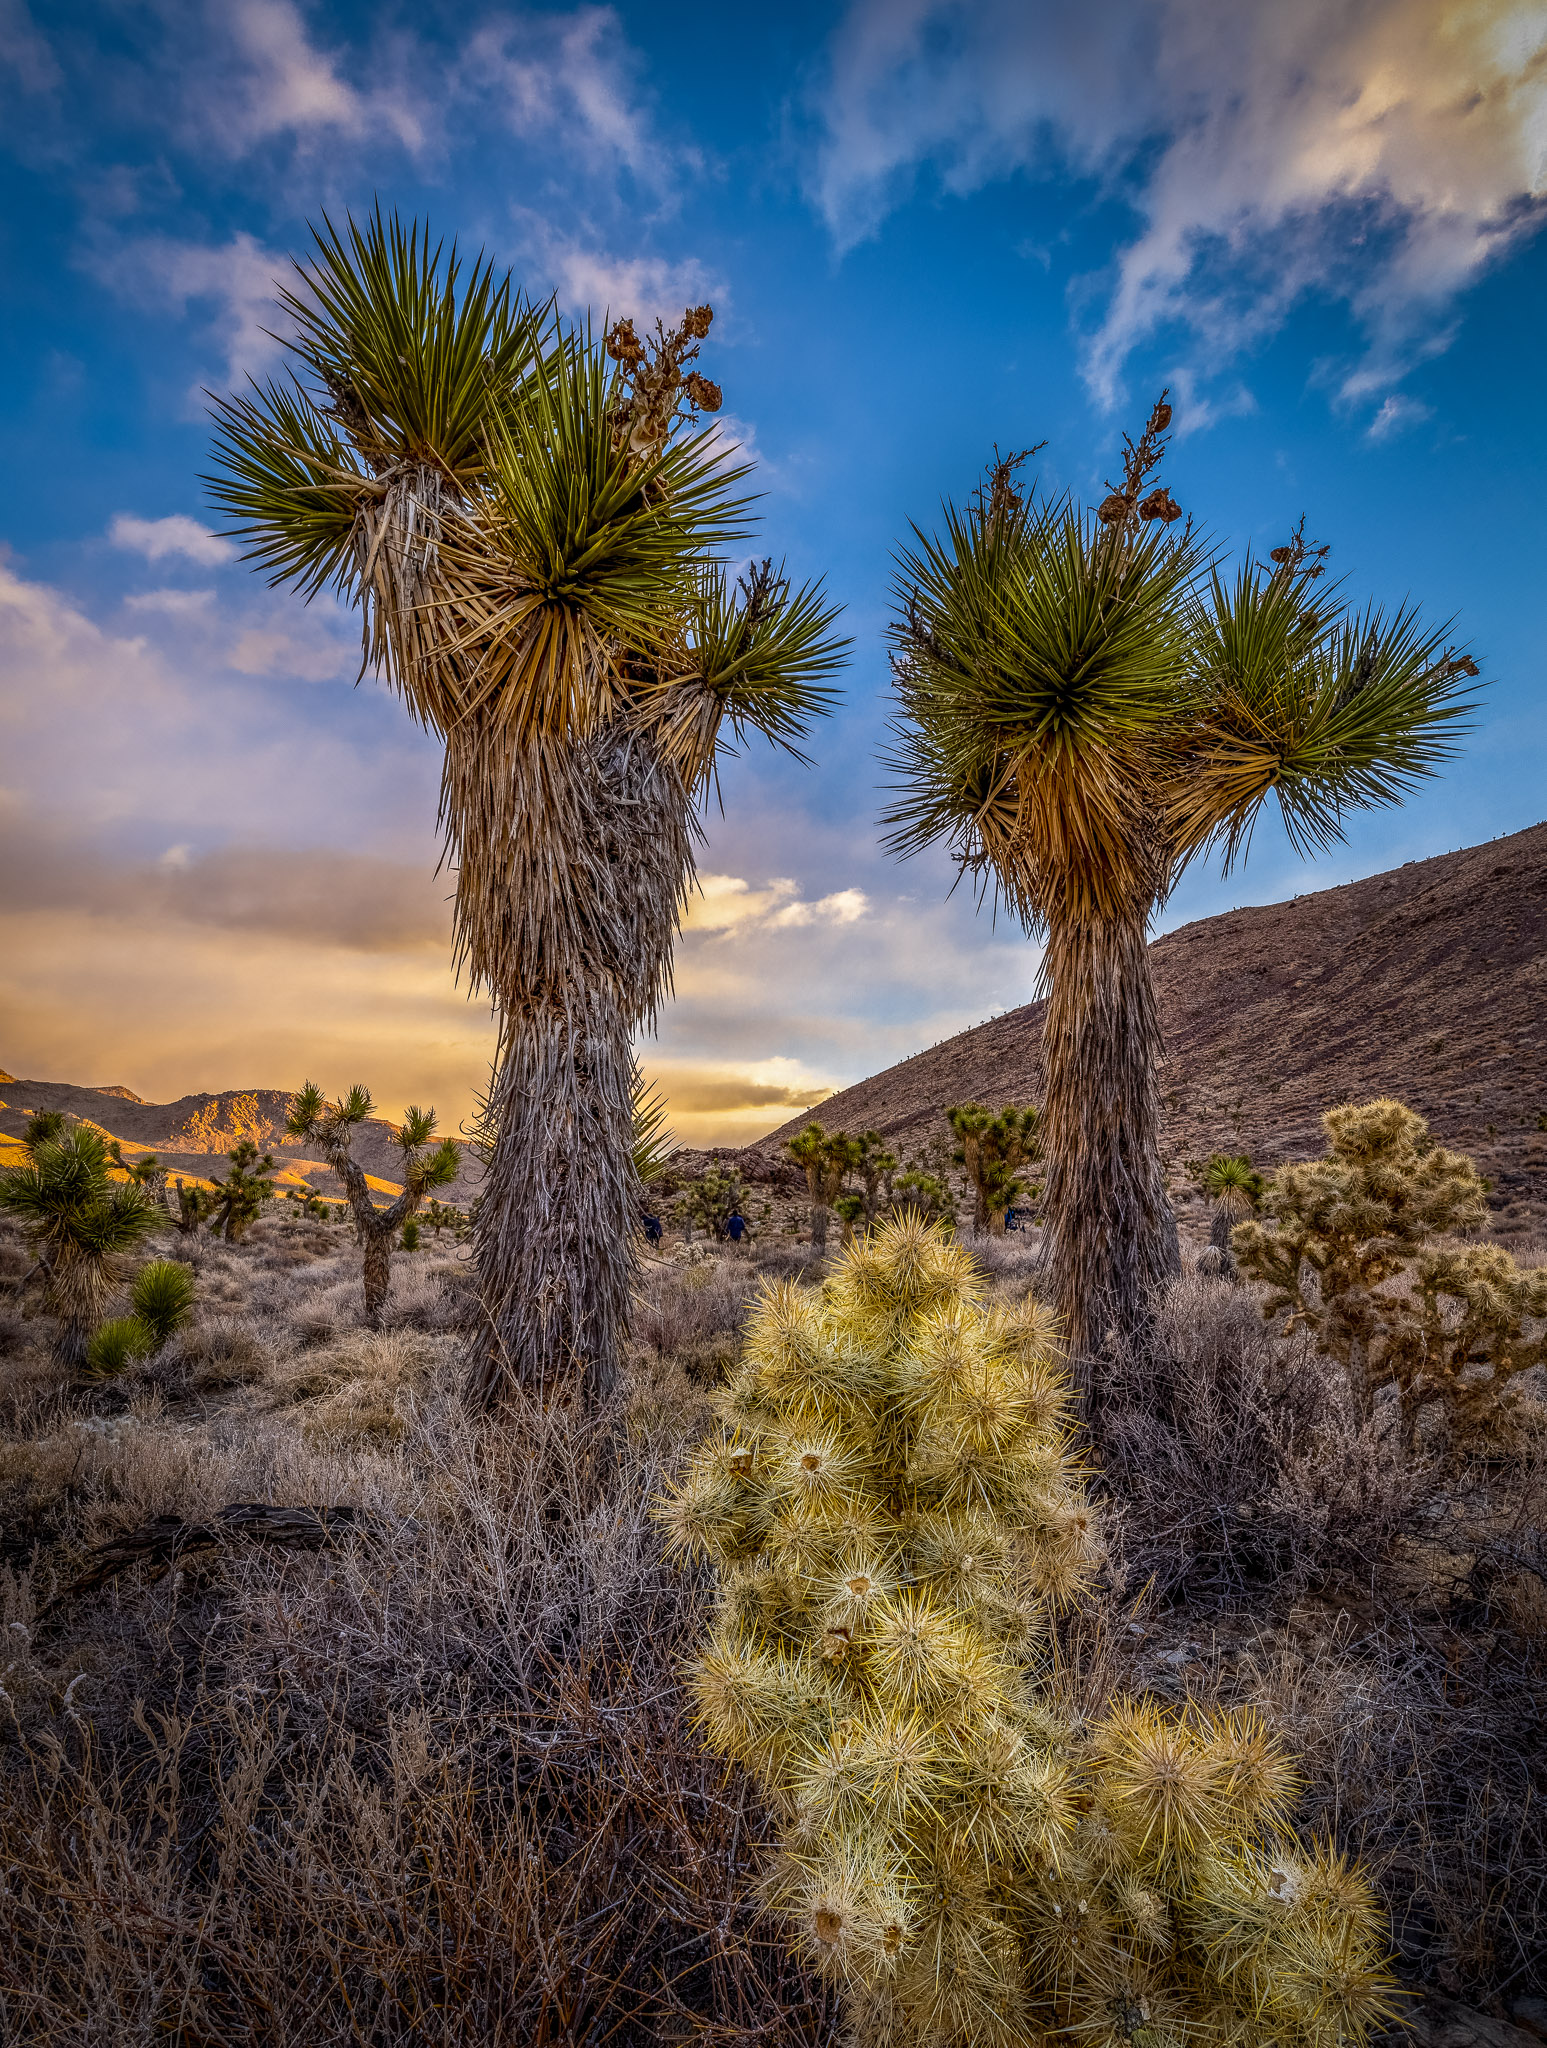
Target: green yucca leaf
{"type": "Point", "coordinates": [162, 1298]}
{"type": "Point", "coordinates": [116, 1345]}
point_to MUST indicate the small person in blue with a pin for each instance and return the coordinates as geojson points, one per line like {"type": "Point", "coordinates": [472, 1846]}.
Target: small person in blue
{"type": "Point", "coordinates": [735, 1226]}
{"type": "Point", "coordinates": [652, 1226]}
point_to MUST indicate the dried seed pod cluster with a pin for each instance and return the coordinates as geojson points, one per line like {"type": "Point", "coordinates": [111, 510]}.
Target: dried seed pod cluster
{"type": "Point", "coordinates": [894, 1512]}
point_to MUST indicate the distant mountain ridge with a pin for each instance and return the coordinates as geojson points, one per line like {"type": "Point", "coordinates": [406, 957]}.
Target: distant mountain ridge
{"type": "Point", "coordinates": [192, 1135]}
{"type": "Point", "coordinates": [1428, 983]}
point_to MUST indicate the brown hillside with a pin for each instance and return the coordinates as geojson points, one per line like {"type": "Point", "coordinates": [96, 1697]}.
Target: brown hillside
{"type": "Point", "coordinates": [1428, 983]}
{"type": "Point", "coordinates": [192, 1135]}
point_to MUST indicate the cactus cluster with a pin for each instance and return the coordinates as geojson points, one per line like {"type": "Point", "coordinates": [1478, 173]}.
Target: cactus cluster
{"type": "Point", "coordinates": [895, 1514]}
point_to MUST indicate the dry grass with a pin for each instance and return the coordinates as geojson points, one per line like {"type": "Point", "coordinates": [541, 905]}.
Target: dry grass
{"type": "Point", "coordinates": [1388, 1612]}
{"type": "Point", "coordinates": [438, 1787]}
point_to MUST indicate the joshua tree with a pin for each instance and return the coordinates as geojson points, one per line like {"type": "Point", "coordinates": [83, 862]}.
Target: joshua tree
{"type": "Point", "coordinates": [1086, 704]}
{"type": "Point", "coordinates": [992, 1148]}
{"type": "Point", "coordinates": [1236, 1191]}
{"type": "Point", "coordinates": [827, 1159]}
{"type": "Point", "coordinates": [711, 1199]}
{"type": "Point", "coordinates": [895, 1514]}
{"type": "Point", "coordinates": [918, 1189]}
{"type": "Point", "coordinates": [530, 526]}
{"type": "Point", "coordinates": [238, 1199]}
{"type": "Point", "coordinates": [44, 1127]}
{"type": "Point", "coordinates": [876, 1165]}
{"type": "Point", "coordinates": [194, 1205]}
{"type": "Point", "coordinates": [332, 1125]}
{"type": "Point", "coordinates": [81, 1224]}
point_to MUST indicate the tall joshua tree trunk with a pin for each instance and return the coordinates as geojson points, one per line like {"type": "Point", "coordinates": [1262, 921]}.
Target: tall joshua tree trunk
{"type": "Point", "coordinates": [1111, 1234]}
{"type": "Point", "coordinates": [592, 842]}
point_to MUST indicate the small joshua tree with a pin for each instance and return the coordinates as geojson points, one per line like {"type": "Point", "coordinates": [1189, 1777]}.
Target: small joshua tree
{"type": "Point", "coordinates": [876, 1166]}
{"type": "Point", "coordinates": [81, 1224]}
{"type": "Point", "coordinates": [992, 1149]}
{"type": "Point", "coordinates": [238, 1199]}
{"type": "Point", "coordinates": [332, 1125]}
{"type": "Point", "coordinates": [194, 1205]}
{"type": "Point", "coordinates": [894, 1513]}
{"type": "Point", "coordinates": [850, 1211]}
{"type": "Point", "coordinates": [827, 1159]}
{"type": "Point", "coordinates": [1236, 1191]}
{"type": "Point", "coordinates": [1353, 1248]}
{"type": "Point", "coordinates": [711, 1200]}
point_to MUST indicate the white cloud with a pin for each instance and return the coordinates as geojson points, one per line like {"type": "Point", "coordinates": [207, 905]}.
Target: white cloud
{"type": "Point", "coordinates": [1381, 151]}
{"type": "Point", "coordinates": [175, 603]}
{"type": "Point", "coordinates": [572, 77]}
{"type": "Point", "coordinates": [728, 903]}
{"type": "Point", "coordinates": [232, 282]}
{"type": "Point", "coordinates": [1396, 415]}
{"type": "Point", "coordinates": [844, 906]}
{"type": "Point", "coordinates": [174, 535]}
{"type": "Point", "coordinates": [264, 75]}
{"type": "Point", "coordinates": [589, 279]}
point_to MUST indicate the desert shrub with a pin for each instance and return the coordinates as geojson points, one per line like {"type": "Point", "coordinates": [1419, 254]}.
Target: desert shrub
{"type": "Point", "coordinates": [218, 1352]}
{"type": "Point", "coordinates": [435, 1792]}
{"type": "Point", "coordinates": [116, 1345]}
{"type": "Point", "coordinates": [1351, 1247]}
{"type": "Point", "coordinates": [895, 1513]}
{"type": "Point", "coordinates": [694, 1313]}
{"type": "Point", "coordinates": [162, 1297]}
{"type": "Point", "coordinates": [1241, 1463]}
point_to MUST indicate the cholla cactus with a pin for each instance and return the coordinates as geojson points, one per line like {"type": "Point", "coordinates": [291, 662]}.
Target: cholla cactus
{"type": "Point", "coordinates": [1353, 1247]}
{"type": "Point", "coordinates": [895, 1513]}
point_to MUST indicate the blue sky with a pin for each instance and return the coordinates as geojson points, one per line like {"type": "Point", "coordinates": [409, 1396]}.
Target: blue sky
{"type": "Point", "coordinates": [925, 229]}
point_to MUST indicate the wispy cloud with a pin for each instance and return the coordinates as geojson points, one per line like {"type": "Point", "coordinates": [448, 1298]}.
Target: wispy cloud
{"type": "Point", "coordinates": [1380, 151]}
{"type": "Point", "coordinates": [575, 80]}
{"type": "Point", "coordinates": [24, 51]}
{"type": "Point", "coordinates": [177, 534]}
{"type": "Point", "coordinates": [590, 278]}
{"type": "Point", "coordinates": [231, 284]}
{"type": "Point", "coordinates": [1397, 414]}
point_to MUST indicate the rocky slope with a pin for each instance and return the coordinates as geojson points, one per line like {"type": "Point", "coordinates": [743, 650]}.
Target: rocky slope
{"type": "Point", "coordinates": [1428, 983]}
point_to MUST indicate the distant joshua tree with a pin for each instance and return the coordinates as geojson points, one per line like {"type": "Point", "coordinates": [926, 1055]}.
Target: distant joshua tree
{"type": "Point", "coordinates": [993, 1148]}
{"type": "Point", "coordinates": [238, 1199]}
{"type": "Point", "coordinates": [1236, 1190]}
{"type": "Point", "coordinates": [81, 1224]}
{"type": "Point", "coordinates": [331, 1125]}
{"type": "Point", "coordinates": [1087, 704]}
{"type": "Point", "coordinates": [827, 1159]}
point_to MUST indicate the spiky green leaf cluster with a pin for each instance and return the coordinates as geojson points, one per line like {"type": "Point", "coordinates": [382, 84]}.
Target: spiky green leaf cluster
{"type": "Point", "coordinates": [894, 1512]}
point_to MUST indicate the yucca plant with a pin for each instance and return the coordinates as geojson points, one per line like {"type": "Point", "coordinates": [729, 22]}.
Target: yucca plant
{"type": "Point", "coordinates": [894, 1515]}
{"type": "Point", "coordinates": [114, 1346]}
{"type": "Point", "coordinates": [1235, 1190]}
{"type": "Point", "coordinates": [531, 525]}
{"type": "Point", "coordinates": [81, 1224]}
{"type": "Point", "coordinates": [1087, 702]}
{"type": "Point", "coordinates": [331, 1127]}
{"type": "Point", "coordinates": [237, 1200]}
{"type": "Point", "coordinates": [162, 1298]}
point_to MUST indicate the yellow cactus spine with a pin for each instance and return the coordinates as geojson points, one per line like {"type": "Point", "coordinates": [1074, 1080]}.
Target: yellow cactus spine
{"type": "Point", "coordinates": [894, 1509]}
